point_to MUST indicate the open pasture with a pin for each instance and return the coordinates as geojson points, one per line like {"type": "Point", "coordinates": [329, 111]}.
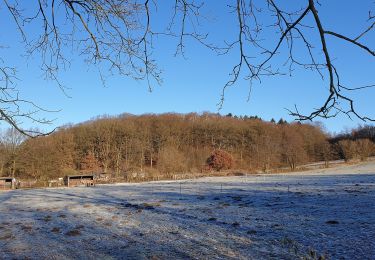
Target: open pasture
{"type": "Point", "coordinates": [326, 213]}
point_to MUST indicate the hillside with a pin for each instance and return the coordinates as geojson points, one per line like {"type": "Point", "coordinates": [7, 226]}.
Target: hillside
{"type": "Point", "coordinates": [168, 144]}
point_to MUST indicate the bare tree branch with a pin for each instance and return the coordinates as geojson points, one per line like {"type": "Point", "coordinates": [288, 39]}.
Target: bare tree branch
{"type": "Point", "coordinates": [118, 37]}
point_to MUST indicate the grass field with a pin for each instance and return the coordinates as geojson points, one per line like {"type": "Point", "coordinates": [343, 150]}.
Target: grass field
{"type": "Point", "coordinates": [326, 213]}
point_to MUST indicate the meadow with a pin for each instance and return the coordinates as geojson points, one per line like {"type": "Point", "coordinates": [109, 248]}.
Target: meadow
{"type": "Point", "coordinates": [318, 214]}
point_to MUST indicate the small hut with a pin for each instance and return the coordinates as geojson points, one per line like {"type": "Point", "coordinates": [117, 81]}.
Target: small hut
{"type": "Point", "coordinates": [7, 183]}
{"type": "Point", "coordinates": [79, 180]}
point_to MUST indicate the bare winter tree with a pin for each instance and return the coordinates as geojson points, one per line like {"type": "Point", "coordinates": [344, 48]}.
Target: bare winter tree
{"type": "Point", "coordinates": [10, 140]}
{"type": "Point", "coordinates": [119, 37]}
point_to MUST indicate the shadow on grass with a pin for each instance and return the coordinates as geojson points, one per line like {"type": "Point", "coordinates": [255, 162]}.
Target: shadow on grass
{"type": "Point", "coordinates": [204, 220]}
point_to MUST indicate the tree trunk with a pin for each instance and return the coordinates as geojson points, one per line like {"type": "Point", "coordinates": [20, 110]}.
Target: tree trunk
{"type": "Point", "coordinates": [13, 168]}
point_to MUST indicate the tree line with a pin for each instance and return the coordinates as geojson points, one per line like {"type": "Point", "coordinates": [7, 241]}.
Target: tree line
{"type": "Point", "coordinates": [169, 144]}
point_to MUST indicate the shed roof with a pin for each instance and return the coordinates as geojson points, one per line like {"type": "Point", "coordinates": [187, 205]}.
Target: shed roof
{"type": "Point", "coordinates": [80, 176]}
{"type": "Point", "coordinates": [6, 178]}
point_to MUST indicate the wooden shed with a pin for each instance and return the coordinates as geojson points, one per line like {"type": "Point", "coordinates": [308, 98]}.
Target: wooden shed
{"type": "Point", "coordinates": [7, 183]}
{"type": "Point", "coordinates": [79, 180]}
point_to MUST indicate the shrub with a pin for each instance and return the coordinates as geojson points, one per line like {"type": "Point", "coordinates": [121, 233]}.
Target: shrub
{"type": "Point", "coordinates": [220, 160]}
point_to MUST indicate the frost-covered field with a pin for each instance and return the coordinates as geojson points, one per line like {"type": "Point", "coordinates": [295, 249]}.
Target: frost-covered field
{"type": "Point", "coordinates": [300, 215]}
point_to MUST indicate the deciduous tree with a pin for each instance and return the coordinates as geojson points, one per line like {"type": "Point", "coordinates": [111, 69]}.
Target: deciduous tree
{"type": "Point", "coordinates": [220, 160]}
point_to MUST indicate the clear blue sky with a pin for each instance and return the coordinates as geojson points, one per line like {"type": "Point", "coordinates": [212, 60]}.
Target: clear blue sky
{"type": "Point", "coordinates": [194, 84]}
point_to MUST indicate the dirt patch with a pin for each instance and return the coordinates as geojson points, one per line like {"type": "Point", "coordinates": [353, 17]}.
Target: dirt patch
{"type": "Point", "coordinates": [26, 228]}
{"type": "Point", "coordinates": [47, 218]}
{"type": "Point", "coordinates": [235, 224]}
{"type": "Point", "coordinates": [332, 222]}
{"type": "Point", "coordinates": [55, 230]}
{"type": "Point", "coordinates": [6, 236]}
{"type": "Point", "coordinates": [73, 233]}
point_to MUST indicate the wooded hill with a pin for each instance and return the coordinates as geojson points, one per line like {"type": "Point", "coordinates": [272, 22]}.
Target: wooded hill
{"type": "Point", "coordinates": [169, 144]}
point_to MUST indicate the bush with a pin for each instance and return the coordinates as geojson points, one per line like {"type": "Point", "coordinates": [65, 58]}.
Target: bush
{"type": "Point", "coordinates": [220, 160]}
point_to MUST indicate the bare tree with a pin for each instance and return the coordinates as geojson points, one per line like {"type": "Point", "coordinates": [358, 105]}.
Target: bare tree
{"type": "Point", "coordinates": [293, 26]}
{"type": "Point", "coordinates": [11, 140]}
{"type": "Point", "coordinates": [13, 109]}
{"type": "Point", "coordinates": [119, 36]}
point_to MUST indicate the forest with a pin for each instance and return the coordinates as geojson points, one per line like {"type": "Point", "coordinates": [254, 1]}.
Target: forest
{"type": "Point", "coordinates": [168, 144]}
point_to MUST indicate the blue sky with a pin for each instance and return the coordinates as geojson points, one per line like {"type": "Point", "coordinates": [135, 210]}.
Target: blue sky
{"type": "Point", "coordinates": [194, 83]}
